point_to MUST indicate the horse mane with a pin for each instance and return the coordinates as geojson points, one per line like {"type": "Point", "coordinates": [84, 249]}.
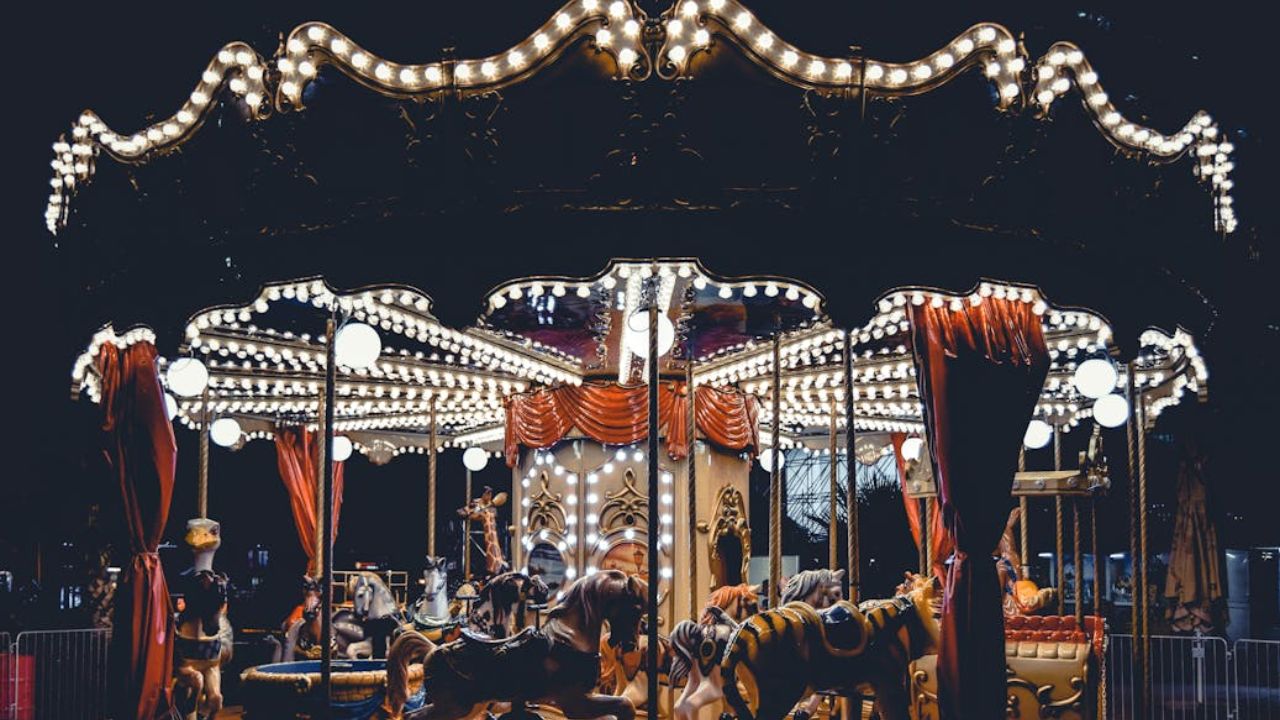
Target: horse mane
{"type": "Point", "coordinates": [725, 596]}
{"type": "Point", "coordinates": [584, 594]}
{"type": "Point", "coordinates": [803, 583]}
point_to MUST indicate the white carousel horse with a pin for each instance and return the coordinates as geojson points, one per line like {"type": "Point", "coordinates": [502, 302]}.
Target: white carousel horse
{"type": "Point", "coordinates": [432, 611]}
{"type": "Point", "coordinates": [374, 619]}
{"type": "Point", "coordinates": [698, 647]}
{"type": "Point", "coordinates": [820, 589]}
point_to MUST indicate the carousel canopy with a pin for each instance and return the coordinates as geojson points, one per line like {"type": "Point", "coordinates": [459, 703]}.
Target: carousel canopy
{"type": "Point", "coordinates": [265, 359]}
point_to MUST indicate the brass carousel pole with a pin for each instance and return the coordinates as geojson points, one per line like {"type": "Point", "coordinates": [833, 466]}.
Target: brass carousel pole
{"type": "Point", "coordinates": [466, 531]}
{"type": "Point", "coordinates": [833, 527]}
{"type": "Point", "coordinates": [1135, 626]}
{"type": "Point", "coordinates": [1145, 612]}
{"type": "Point", "coordinates": [1024, 531]}
{"type": "Point", "coordinates": [431, 481]}
{"type": "Point", "coordinates": [691, 494]}
{"type": "Point", "coordinates": [651, 657]}
{"type": "Point", "coordinates": [202, 480]}
{"type": "Point", "coordinates": [1097, 557]}
{"type": "Point", "coordinates": [775, 479]}
{"type": "Point", "coordinates": [325, 508]}
{"type": "Point", "coordinates": [1059, 560]}
{"type": "Point", "coordinates": [851, 469]}
{"type": "Point", "coordinates": [1078, 560]}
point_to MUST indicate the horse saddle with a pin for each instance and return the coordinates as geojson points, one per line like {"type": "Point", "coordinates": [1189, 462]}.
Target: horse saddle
{"type": "Point", "coordinates": [844, 629]}
{"type": "Point", "coordinates": [478, 638]}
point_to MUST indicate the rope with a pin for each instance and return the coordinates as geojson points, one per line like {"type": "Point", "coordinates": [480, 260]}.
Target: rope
{"type": "Point", "coordinates": [1078, 560]}
{"type": "Point", "coordinates": [691, 494]}
{"type": "Point", "coordinates": [1097, 559]}
{"type": "Point", "coordinates": [775, 480]}
{"type": "Point", "coordinates": [1023, 519]}
{"type": "Point", "coordinates": [431, 483]}
{"type": "Point", "coordinates": [851, 470]}
{"type": "Point", "coordinates": [1142, 548]}
{"type": "Point", "coordinates": [833, 527]}
{"type": "Point", "coordinates": [202, 480]}
{"type": "Point", "coordinates": [1061, 561]}
{"type": "Point", "coordinates": [1133, 530]}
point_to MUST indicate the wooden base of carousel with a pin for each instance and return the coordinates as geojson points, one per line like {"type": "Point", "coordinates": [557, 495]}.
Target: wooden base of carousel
{"type": "Point", "coordinates": [1053, 670]}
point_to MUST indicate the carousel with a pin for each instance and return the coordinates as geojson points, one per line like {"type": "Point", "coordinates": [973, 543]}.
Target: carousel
{"type": "Point", "coordinates": [630, 407]}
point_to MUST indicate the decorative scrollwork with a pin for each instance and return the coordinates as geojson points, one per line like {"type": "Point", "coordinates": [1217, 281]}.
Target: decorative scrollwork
{"type": "Point", "coordinates": [546, 509]}
{"type": "Point", "coordinates": [624, 507]}
{"type": "Point", "coordinates": [731, 519]}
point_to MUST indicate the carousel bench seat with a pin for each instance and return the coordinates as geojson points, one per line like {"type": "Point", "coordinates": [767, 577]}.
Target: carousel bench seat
{"type": "Point", "coordinates": [1051, 664]}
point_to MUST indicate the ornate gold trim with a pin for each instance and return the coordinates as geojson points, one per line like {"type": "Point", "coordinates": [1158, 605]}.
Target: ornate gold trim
{"type": "Point", "coordinates": [731, 518]}
{"type": "Point", "coordinates": [624, 507]}
{"type": "Point", "coordinates": [546, 509]}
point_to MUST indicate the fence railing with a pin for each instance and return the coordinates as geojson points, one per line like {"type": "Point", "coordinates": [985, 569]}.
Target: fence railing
{"type": "Point", "coordinates": [51, 674]}
{"type": "Point", "coordinates": [397, 581]}
{"type": "Point", "coordinates": [1196, 678]}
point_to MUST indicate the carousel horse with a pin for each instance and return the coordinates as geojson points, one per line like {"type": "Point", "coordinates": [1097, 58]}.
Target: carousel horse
{"type": "Point", "coordinates": [503, 605]}
{"type": "Point", "coordinates": [1021, 596]}
{"type": "Point", "coordinates": [375, 617]}
{"type": "Point", "coordinates": [624, 673]}
{"type": "Point", "coordinates": [698, 647]}
{"type": "Point", "coordinates": [557, 663]}
{"type": "Point", "coordinates": [484, 510]}
{"type": "Point", "coordinates": [202, 645]}
{"type": "Point", "coordinates": [301, 630]}
{"type": "Point", "coordinates": [820, 589]}
{"type": "Point", "coordinates": [793, 651]}
{"type": "Point", "coordinates": [433, 613]}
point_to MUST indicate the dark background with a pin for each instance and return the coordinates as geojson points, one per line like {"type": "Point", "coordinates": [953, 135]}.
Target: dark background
{"type": "Point", "coordinates": [940, 189]}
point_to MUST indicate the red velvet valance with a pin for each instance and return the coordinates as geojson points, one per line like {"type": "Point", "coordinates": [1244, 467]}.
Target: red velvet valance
{"type": "Point", "coordinates": [980, 369]}
{"type": "Point", "coordinates": [142, 455]}
{"type": "Point", "coordinates": [297, 456]}
{"type": "Point", "coordinates": [616, 415]}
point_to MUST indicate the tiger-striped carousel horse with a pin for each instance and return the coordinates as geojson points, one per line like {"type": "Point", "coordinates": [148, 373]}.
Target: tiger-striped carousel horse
{"type": "Point", "coordinates": [820, 589]}
{"type": "Point", "coordinates": [793, 651]}
{"type": "Point", "coordinates": [698, 647]}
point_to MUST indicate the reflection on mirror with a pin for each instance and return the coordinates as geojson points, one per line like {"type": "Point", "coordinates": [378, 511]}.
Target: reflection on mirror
{"type": "Point", "coordinates": [545, 560]}
{"type": "Point", "coordinates": [630, 557]}
{"type": "Point", "coordinates": [729, 570]}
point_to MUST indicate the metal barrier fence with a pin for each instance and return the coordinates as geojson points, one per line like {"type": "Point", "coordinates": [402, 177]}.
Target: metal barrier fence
{"type": "Point", "coordinates": [397, 581]}
{"type": "Point", "coordinates": [55, 674]}
{"type": "Point", "coordinates": [1257, 679]}
{"type": "Point", "coordinates": [1196, 678]}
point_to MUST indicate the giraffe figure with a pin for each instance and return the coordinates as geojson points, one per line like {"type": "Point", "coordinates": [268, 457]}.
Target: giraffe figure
{"type": "Point", "coordinates": [484, 510]}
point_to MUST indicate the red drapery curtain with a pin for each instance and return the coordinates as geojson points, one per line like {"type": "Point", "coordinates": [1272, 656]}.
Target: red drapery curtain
{"type": "Point", "coordinates": [142, 455]}
{"type": "Point", "coordinates": [980, 369]}
{"type": "Point", "coordinates": [616, 415]}
{"type": "Point", "coordinates": [297, 456]}
{"type": "Point", "coordinates": [940, 545]}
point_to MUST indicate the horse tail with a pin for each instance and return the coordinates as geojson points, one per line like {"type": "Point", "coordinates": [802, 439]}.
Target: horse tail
{"type": "Point", "coordinates": [408, 648]}
{"type": "Point", "coordinates": [685, 639]}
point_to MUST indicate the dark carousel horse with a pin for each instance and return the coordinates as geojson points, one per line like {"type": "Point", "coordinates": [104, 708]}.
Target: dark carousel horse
{"type": "Point", "coordinates": [558, 663]}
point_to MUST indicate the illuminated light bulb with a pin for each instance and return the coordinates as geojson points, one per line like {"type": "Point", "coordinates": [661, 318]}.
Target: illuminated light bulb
{"type": "Point", "coordinates": [1098, 99]}
{"type": "Point", "coordinates": [677, 54]}
{"type": "Point", "coordinates": [689, 9]}
{"type": "Point", "coordinates": [433, 75]}
{"type": "Point", "coordinates": [590, 5]}
{"type": "Point", "coordinates": [316, 33]}
{"type": "Point", "coordinates": [1111, 410]}
{"type": "Point", "coordinates": [1075, 57]}
{"type": "Point", "coordinates": [992, 69]}
{"type": "Point", "coordinates": [1057, 58]}
{"type": "Point", "coordinates": [765, 41]}
{"type": "Point", "coordinates": [604, 37]}
{"type": "Point", "coordinates": [789, 58]}
{"type": "Point", "coordinates": [875, 72]}
{"type": "Point", "coordinates": [360, 60]}
{"type": "Point", "coordinates": [563, 21]}
{"type": "Point", "coordinates": [1038, 434]}
{"type": "Point", "coordinates": [357, 345]}
{"type": "Point", "coordinates": [1045, 97]}
{"type": "Point", "coordinates": [243, 58]}
{"type": "Point", "coordinates": [617, 9]}
{"type": "Point", "coordinates": [717, 4]}
{"type": "Point", "coordinates": [515, 58]}
{"type": "Point", "coordinates": [462, 72]}
{"type": "Point", "coordinates": [1111, 118]}
{"type": "Point", "coordinates": [489, 69]}
{"type": "Point", "coordinates": [637, 456]}
{"type": "Point", "coordinates": [944, 61]}
{"type": "Point", "coordinates": [922, 72]}
{"type": "Point", "coordinates": [1015, 65]}
{"type": "Point", "coordinates": [817, 68]}
{"type": "Point", "coordinates": [187, 377]}
{"type": "Point", "coordinates": [964, 46]}
{"type": "Point", "coordinates": [631, 28]}
{"type": "Point", "coordinates": [1060, 85]}
{"type": "Point", "coordinates": [253, 99]}
{"type": "Point", "coordinates": [986, 34]}
{"type": "Point", "coordinates": [541, 41]}
{"type": "Point", "coordinates": [743, 21]}
{"type": "Point", "coordinates": [897, 75]}
{"type": "Point", "coordinates": [225, 432]}
{"type": "Point", "coordinates": [675, 27]}
{"type": "Point", "coordinates": [408, 76]}
{"type": "Point", "coordinates": [771, 290]}
{"type": "Point", "coordinates": [637, 337]}
{"type": "Point", "coordinates": [382, 72]}
{"type": "Point", "coordinates": [1006, 46]}
{"type": "Point", "coordinates": [701, 37]}
{"type": "Point", "coordinates": [342, 448]}
{"type": "Point", "coordinates": [726, 292]}
{"type": "Point", "coordinates": [626, 56]}
{"type": "Point", "coordinates": [1010, 91]}
{"type": "Point", "coordinates": [295, 45]}
{"type": "Point", "coordinates": [844, 71]}
{"type": "Point", "coordinates": [338, 46]}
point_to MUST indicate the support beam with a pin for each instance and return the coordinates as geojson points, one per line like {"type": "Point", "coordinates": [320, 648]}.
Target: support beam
{"type": "Point", "coordinates": [851, 470]}
{"type": "Point", "coordinates": [1060, 559]}
{"type": "Point", "coordinates": [691, 491]}
{"type": "Point", "coordinates": [326, 518]}
{"type": "Point", "coordinates": [1024, 520]}
{"type": "Point", "coordinates": [775, 479]}
{"type": "Point", "coordinates": [1135, 626]}
{"type": "Point", "coordinates": [1077, 559]}
{"type": "Point", "coordinates": [654, 530]}
{"type": "Point", "coordinates": [202, 480]}
{"type": "Point", "coordinates": [833, 493]}
{"type": "Point", "coordinates": [1144, 614]}
{"type": "Point", "coordinates": [431, 481]}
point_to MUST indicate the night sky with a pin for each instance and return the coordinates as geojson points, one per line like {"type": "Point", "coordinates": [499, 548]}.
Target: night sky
{"type": "Point", "coordinates": [950, 191]}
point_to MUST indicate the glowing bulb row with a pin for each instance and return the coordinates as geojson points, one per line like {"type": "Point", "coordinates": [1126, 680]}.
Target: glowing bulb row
{"type": "Point", "coordinates": [236, 65]}
{"type": "Point", "coordinates": [1210, 151]}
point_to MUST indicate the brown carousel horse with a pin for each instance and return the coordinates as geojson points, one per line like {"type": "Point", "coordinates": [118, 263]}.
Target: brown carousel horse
{"type": "Point", "coordinates": [558, 663]}
{"type": "Point", "coordinates": [793, 651]}
{"type": "Point", "coordinates": [699, 646]}
{"type": "Point", "coordinates": [301, 629]}
{"type": "Point", "coordinates": [203, 644]}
